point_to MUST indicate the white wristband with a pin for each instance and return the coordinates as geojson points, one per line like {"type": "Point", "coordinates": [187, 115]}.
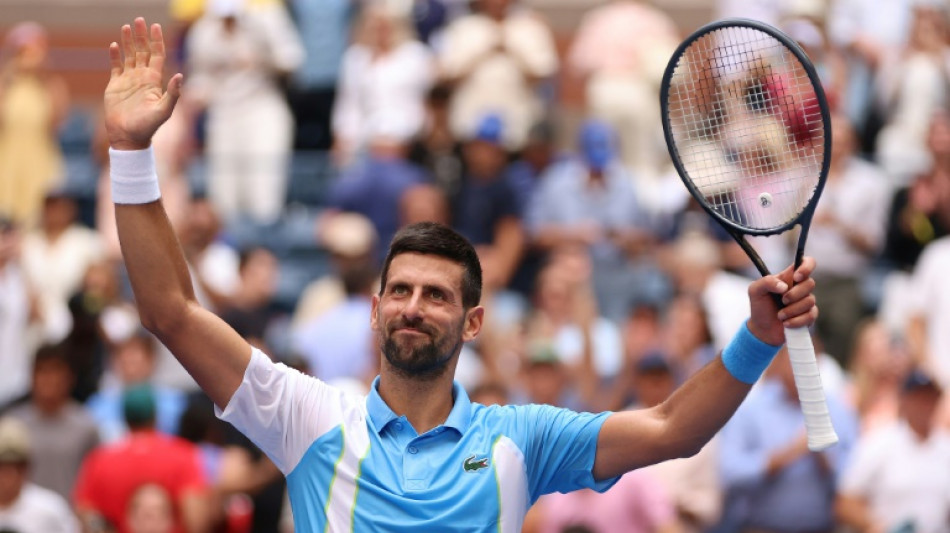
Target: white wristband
{"type": "Point", "coordinates": [134, 179]}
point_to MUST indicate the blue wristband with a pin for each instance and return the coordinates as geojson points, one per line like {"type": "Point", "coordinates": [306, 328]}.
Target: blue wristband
{"type": "Point", "coordinates": [746, 357]}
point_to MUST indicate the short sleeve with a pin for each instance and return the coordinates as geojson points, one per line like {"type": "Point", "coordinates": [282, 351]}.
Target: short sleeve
{"type": "Point", "coordinates": [560, 446]}
{"type": "Point", "coordinates": [283, 411]}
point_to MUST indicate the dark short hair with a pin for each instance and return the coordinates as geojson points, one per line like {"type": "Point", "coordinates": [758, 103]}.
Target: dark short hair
{"type": "Point", "coordinates": [57, 354]}
{"type": "Point", "coordinates": [431, 238]}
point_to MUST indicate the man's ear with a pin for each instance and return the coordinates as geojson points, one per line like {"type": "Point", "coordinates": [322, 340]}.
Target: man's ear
{"type": "Point", "coordinates": [374, 313]}
{"type": "Point", "coordinates": [473, 323]}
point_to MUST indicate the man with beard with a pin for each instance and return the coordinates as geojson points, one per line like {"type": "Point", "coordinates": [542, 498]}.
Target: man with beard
{"type": "Point", "coordinates": [414, 454]}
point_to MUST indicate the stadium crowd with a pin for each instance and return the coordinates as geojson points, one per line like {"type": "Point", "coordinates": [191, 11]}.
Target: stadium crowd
{"type": "Point", "coordinates": [322, 126]}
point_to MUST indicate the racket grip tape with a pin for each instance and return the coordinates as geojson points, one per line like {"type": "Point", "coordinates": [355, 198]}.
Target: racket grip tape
{"type": "Point", "coordinates": [811, 394]}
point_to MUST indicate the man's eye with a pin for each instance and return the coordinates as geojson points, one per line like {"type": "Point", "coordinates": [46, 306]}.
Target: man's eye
{"type": "Point", "coordinates": [437, 295]}
{"type": "Point", "coordinates": [400, 290]}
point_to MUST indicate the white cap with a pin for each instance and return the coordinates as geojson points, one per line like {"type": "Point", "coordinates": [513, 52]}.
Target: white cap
{"type": "Point", "coordinates": [14, 441]}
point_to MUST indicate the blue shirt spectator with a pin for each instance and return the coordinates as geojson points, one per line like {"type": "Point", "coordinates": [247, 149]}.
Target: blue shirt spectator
{"type": "Point", "coordinates": [324, 27]}
{"type": "Point", "coordinates": [772, 482]}
{"type": "Point", "coordinates": [373, 187]}
{"type": "Point", "coordinates": [338, 343]}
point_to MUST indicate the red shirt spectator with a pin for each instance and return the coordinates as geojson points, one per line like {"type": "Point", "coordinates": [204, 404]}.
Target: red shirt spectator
{"type": "Point", "coordinates": [111, 474]}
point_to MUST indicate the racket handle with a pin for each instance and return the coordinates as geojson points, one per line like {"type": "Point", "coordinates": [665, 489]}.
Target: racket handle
{"type": "Point", "coordinates": [811, 394]}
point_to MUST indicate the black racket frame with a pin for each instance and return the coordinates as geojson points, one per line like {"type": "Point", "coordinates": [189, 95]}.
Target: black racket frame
{"type": "Point", "coordinates": [737, 231]}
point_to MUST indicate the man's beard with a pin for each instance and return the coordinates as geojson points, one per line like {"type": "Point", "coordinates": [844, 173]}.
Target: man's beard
{"type": "Point", "coordinates": [424, 362]}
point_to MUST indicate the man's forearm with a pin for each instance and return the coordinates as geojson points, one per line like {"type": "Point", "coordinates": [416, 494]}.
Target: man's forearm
{"type": "Point", "coordinates": [156, 265]}
{"type": "Point", "coordinates": [702, 406]}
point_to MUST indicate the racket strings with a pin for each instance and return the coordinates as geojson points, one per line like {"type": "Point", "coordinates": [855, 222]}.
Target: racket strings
{"type": "Point", "coordinates": [747, 126]}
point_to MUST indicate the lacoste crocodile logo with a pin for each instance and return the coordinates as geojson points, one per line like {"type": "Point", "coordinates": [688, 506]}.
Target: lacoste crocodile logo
{"type": "Point", "coordinates": [472, 464]}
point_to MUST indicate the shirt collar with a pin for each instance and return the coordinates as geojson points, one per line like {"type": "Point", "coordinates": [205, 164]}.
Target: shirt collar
{"type": "Point", "coordinates": [460, 417]}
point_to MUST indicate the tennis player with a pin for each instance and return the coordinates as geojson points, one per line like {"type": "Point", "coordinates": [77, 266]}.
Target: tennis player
{"type": "Point", "coordinates": [415, 454]}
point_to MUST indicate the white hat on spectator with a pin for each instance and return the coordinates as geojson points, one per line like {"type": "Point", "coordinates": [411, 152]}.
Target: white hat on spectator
{"type": "Point", "coordinates": [348, 234]}
{"type": "Point", "coordinates": [14, 441]}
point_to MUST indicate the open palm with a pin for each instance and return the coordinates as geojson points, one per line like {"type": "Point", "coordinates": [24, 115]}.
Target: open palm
{"type": "Point", "coordinates": [135, 104]}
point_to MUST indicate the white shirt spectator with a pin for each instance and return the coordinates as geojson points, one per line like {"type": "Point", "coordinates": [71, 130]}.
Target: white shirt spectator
{"type": "Point", "coordinates": [494, 62]}
{"type": "Point", "coordinates": [55, 270]}
{"type": "Point", "coordinates": [14, 319]}
{"type": "Point", "coordinates": [38, 510]}
{"type": "Point", "coordinates": [930, 298]}
{"type": "Point", "coordinates": [859, 200]}
{"type": "Point", "coordinates": [901, 478]}
{"type": "Point", "coordinates": [382, 96]}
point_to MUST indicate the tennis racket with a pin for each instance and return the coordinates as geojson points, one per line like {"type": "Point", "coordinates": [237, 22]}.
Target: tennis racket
{"type": "Point", "coordinates": [748, 129]}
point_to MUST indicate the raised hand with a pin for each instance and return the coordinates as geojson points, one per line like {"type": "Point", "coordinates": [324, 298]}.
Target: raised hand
{"type": "Point", "coordinates": [768, 322]}
{"type": "Point", "coordinates": [135, 104]}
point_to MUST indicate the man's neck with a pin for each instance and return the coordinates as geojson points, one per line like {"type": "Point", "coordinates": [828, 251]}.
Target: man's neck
{"type": "Point", "coordinates": [426, 404]}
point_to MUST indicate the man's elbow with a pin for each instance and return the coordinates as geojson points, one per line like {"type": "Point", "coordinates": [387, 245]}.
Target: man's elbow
{"type": "Point", "coordinates": [166, 320]}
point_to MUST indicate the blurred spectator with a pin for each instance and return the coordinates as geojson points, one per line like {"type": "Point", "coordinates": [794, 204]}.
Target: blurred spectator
{"type": "Point", "coordinates": [61, 431]}
{"type": "Point", "coordinates": [694, 262]}
{"type": "Point", "coordinates": [486, 209]}
{"type": "Point", "coordinates": [920, 211]}
{"type": "Point", "coordinates": [111, 474]}
{"type": "Point", "coordinates": [692, 483]}
{"type": "Point", "coordinates": [566, 319]}
{"type": "Point", "coordinates": [929, 311]}
{"type": "Point", "coordinates": [374, 186]}
{"type": "Point", "coordinates": [772, 482]}
{"type": "Point", "coordinates": [539, 153]}
{"type": "Point", "coordinates": [33, 104]}
{"type": "Point", "coordinates": [100, 317]}
{"type": "Point", "coordinates": [251, 312]}
{"type": "Point", "coordinates": [546, 380]}
{"type": "Point", "coordinates": [687, 337]}
{"type": "Point", "coordinates": [495, 59]}
{"type": "Point", "coordinates": [642, 335]}
{"type": "Point", "coordinates": [913, 86]}
{"type": "Point", "coordinates": [247, 488]}
{"type": "Point", "coordinates": [324, 27]}
{"type": "Point", "coordinates": [25, 507]}
{"type": "Point", "coordinates": [424, 202]}
{"type": "Point", "coordinates": [237, 57]}
{"type": "Point", "coordinates": [919, 215]}
{"type": "Point", "coordinates": [620, 50]}
{"type": "Point", "coordinates": [151, 510]}
{"type": "Point", "coordinates": [350, 240]}
{"type": "Point", "coordinates": [591, 202]}
{"type": "Point", "coordinates": [866, 31]}
{"type": "Point", "coordinates": [17, 311]}
{"type": "Point", "coordinates": [338, 343]}
{"type": "Point", "coordinates": [435, 148]}
{"type": "Point", "coordinates": [383, 85]}
{"type": "Point", "coordinates": [878, 368]}
{"type": "Point", "coordinates": [132, 364]}
{"type": "Point", "coordinates": [636, 504]}
{"type": "Point", "coordinates": [897, 479]}
{"type": "Point", "coordinates": [846, 234]}
{"type": "Point", "coordinates": [55, 258]}
{"type": "Point", "coordinates": [524, 177]}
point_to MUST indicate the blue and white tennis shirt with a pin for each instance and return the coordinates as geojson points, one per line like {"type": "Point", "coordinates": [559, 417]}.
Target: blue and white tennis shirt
{"type": "Point", "coordinates": [353, 465]}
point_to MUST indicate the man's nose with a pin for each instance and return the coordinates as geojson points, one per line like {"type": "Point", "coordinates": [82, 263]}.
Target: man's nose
{"type": "Point", "coordinates": [414, 305]}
